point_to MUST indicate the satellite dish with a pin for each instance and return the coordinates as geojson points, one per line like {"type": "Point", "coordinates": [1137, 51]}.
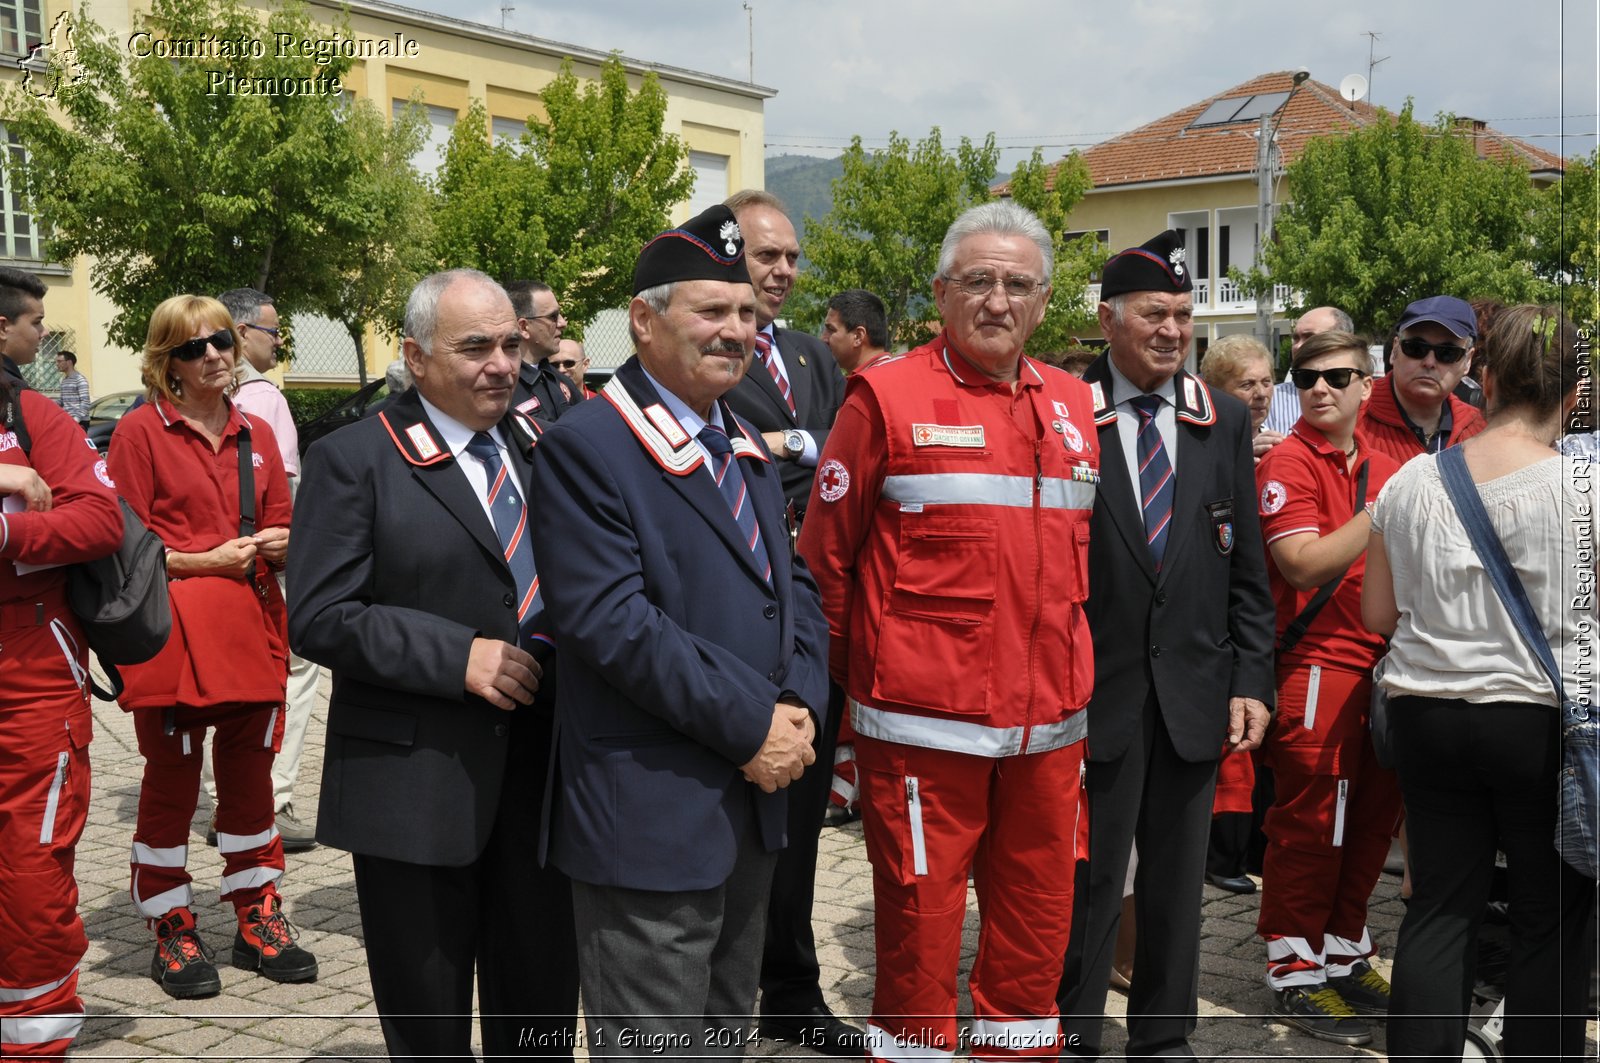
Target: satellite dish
{"type": "Point", "coordinates": [1353, 87]}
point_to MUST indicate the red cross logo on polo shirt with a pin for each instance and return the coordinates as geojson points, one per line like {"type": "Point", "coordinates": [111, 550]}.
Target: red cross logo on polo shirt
{"type": "Point", "coordinates": [924, 434]}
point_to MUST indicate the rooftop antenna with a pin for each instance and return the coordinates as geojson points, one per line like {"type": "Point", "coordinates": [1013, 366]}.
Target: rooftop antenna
{"type": "Point", "coordinates": [506, 7]}
{"type": "Point", "coordinates": [750, 31]}
{"type": "Point", "coordinates": [1372, 61]}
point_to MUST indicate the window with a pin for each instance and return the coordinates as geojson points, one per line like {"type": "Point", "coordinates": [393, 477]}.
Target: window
{"type": "Point", "coordinates": [21, 239]}
{"type": "Point", "coordinates": [21, 25]}
{"type": "Point", "coordinates": [710, 180]}
{"type": "Point", "coordinates": [507, 130]}
{"type": "Point", "coordinates": [430, 157]}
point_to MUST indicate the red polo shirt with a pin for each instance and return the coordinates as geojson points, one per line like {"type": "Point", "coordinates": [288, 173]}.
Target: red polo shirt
{"type": "Point", "coordinates": [1304, 487]}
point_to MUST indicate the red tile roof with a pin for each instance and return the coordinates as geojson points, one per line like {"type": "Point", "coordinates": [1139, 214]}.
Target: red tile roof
{"type": "Point", "coordinates": [1168, 149]}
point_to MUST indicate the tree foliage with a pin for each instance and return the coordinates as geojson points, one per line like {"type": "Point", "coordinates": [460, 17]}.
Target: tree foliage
{"type": "Point", "coordinates": [891, 209]}
{"type": "Point", "coordinates": [175, 179]}
{"type": "Point", "coordinates": [572, 202]}
{"type": "Point", "coordinates": [1076, 261]}
{"type": "Point", "coordinates": [1567, 239]}
{"type": "Point", "coordinates": [1399, 210]}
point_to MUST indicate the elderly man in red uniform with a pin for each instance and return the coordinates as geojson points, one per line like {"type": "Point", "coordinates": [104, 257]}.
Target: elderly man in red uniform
{"type": "Point", "coordinates": [948, 530]}
{"type": "Point", "coordinates": [1413, 409]}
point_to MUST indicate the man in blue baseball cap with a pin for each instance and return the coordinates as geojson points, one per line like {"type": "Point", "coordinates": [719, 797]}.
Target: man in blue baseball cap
{"type": "Point", "coordinates": [1412, 410]}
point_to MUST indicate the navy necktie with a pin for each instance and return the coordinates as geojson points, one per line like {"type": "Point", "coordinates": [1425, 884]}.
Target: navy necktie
{"type": "Point", "coordinates": [730, 481]}
{"type": "Point", "coordinates": [511, 525]}
{"type": "Point", "coordinates": [1155, 478]}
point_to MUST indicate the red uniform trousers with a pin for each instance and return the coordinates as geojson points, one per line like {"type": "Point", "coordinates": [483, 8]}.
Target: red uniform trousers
{"type": "Point", "coordinates": [246, 739]}
{"type": "Point", "coordinates": [930, 816]}
{"type": "Point", "coordinates": [1328, 830]}
{"type": "Point", "coordinates": [45, 727]}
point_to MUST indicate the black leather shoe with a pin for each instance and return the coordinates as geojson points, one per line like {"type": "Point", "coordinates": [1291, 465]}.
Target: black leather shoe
{"type": "Point", "coordinates": [817, 1029]}
{"type": "Point", "coordinates": [1234, 884]}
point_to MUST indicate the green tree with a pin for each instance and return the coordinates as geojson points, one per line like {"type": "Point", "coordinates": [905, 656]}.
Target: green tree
{"type": "Point", "coordinates": [1567, 239]}
{"type": "Point", "coordinates": [890, 212]}
{"type": "Point", "coordinates": [385, 225]}
{"type": "Point", "coordinates": [182, 175]}
{"type": "Point", "coordinates": [575, 199]}
{"type": "Point", "coordinates": [1076, 261]}
{"type": "Point", "coordinates": [1398, 210]}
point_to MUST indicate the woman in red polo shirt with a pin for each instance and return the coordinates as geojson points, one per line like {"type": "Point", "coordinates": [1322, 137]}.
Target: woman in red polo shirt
{"type": "Point", "coordinates": [177, 461]}
{"type": "Point", "coordinates": [1334, 808]}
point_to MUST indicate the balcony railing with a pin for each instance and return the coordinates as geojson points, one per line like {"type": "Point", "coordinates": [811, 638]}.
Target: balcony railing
{"type": "Point", "coordinates": [1230, 298]}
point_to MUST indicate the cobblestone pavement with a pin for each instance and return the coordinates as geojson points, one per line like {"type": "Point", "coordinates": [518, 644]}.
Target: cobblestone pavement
{"type": "Point", "coordinates": [333, 1018]}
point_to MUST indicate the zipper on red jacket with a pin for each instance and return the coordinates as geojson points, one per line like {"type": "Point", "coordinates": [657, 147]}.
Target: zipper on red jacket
{"type": "Point", "coordinates": [1038, 590]}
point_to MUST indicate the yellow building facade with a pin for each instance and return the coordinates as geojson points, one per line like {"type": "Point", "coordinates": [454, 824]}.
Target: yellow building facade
{"type": "Point", "coordinates": [443, 62]}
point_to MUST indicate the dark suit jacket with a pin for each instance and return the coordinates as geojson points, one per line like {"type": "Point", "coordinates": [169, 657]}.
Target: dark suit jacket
{"type": "Point", "coordinates": [673, 648]}
{"type": "Point", "coordinates": [817, 384]}
{"type": "Point", "coordinates": [395, 568]}
{"type": "Point", "coordinates": [1200, 631]}
{"type": "Point", "coordinates": [541, 392]}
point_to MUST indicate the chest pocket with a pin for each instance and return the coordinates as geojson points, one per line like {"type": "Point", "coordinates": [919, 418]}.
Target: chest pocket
{"type": "Point", "coordinates": [937, 628]}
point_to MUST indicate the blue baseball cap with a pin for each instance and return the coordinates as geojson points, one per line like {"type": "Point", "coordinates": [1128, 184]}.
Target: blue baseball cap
{"type": "Point", "coordinates": [1454, 314]}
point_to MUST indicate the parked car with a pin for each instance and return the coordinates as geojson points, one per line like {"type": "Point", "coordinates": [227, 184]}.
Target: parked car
{"type": "Point", "coordinates": [369, 400]}
{"type": "Point", "coordinates": [105, 412]}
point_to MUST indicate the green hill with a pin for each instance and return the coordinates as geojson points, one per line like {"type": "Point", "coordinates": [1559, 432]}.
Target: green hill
{"type": "Point", "coordinates": [805, 184]}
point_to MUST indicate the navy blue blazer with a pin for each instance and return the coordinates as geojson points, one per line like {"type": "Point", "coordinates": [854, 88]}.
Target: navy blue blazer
{"type": "Point", "coordinates": [672, 647]}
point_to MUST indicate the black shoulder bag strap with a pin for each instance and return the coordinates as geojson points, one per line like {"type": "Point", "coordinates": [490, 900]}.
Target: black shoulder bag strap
{"type": "Point", "coordinates": [1469, 506]}
{"type": "Point", "coordinates": [247, 497]}
{"type": "Point", "coordinates": [1299, 625]}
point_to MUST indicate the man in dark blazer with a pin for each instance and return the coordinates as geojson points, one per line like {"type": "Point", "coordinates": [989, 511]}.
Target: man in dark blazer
{"type": "Point", "coordinates": [542, 391]}
{"type": "Point", "coordinates": [439, 726]}
{"type": "Point", "coordinates": [1182, 619]}
{"type": "Point", "coordinates": [791, 394]}
{"type": "Point", "coordinates": [692, 654]}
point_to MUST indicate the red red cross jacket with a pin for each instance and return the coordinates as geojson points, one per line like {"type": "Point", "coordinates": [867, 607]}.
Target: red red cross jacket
{"type": "Point", "coordinates": [948, 530]}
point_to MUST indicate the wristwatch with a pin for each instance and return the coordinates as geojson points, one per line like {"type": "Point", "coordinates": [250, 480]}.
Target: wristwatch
{"type": "Point", "coordinates": [794, 444]}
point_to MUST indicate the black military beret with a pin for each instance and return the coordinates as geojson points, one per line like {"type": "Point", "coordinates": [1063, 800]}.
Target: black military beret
{"type": "Point", "coordinates": [1157, 265]}
{"type": "Point", "coordinates": [708, 246]}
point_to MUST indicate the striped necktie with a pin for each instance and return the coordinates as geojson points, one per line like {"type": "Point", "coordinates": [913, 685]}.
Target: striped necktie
{"type": "Point", "coordinates": [768, 359]}
{"type": "Point", "coordinates": [730, 481]}
{"type": "Point", "coordinates": [1155, 478]}
{"type": "Point", "coordinates": [511, 525]}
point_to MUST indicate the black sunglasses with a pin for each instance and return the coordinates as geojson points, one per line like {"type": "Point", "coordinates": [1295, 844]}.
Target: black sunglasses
{"type": "Point", "coordinates": [1306, 379]}
{"type": "Point", "coordinates": [191, 350]}
{"type": "Point", "coordinates": [1444, 353]}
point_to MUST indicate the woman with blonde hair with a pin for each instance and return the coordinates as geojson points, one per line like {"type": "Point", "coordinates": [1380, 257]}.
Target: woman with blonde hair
{"type": "Point", "coordinates": [1242, 366]}
{"type": "Point", "coordinates": [209, 481]}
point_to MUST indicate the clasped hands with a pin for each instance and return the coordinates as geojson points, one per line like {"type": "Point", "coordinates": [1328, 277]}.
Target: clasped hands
{"type": "Point", "coordinates": [787, 751]}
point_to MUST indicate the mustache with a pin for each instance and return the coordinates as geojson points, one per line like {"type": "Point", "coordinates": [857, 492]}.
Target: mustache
{"type": "Point", "coordinates": [724, 347]}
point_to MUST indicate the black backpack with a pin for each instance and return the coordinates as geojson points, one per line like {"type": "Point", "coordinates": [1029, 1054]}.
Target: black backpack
{"type": "Point", "coordinates": [121, 600]}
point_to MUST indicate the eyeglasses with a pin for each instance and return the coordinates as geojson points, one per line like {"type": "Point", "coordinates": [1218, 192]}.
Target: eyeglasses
{"type": "Point", "coordinates": [273, 332]}
{"type": "Point", "coordinates": [190, 350]}
{"type": "Point", "coordinates": [981, 284]}
{"type": "Point", "coordinates": [568, 364]}
{"type": "Point", "coordinates": [1306, 379]}
{"type": "Point", "coordinates": [1445, 353]}
{"type": "Point", "coordinates": [552, 317]}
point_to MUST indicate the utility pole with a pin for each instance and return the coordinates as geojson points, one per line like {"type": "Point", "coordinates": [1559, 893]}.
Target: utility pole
{"type": "Point", "coordinates": [1266, 177]}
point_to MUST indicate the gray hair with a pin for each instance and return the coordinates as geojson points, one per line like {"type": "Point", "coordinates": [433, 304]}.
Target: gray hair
{"type": "Point", "coordinates": [746, 198]}
{"type": "Point", "coordinates": [1341, 320]}
{"type": "Point", "coordinates": [244, 304]}
{"type": "Point", "coordinates": [657, 299]}
{"type": "Point", "coordinates": [422, 308]}
{"type": "Point", "coordinates": [397, 376]}
{"type": "Point", "coordinates": [1117, 303]}
{"type": "Point", "coordinates": [1003, 217]}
